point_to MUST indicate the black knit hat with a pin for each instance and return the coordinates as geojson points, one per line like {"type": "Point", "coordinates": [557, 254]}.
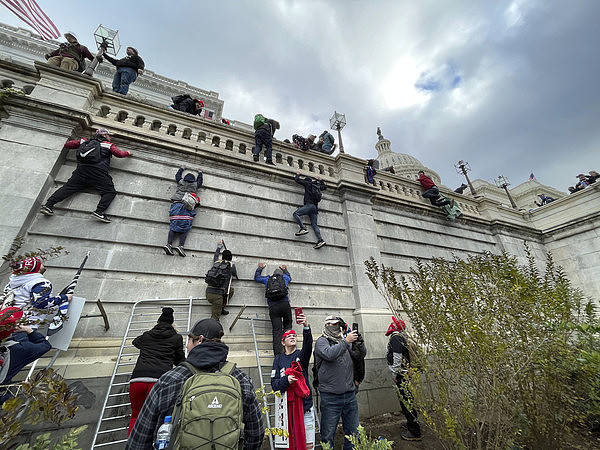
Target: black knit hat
{"type": "Point", "coordinates": [190, 178]}
{"type": "Point", "coordinates": [166, 316]}
{"type": "Point", "coordinates": [227, 255]}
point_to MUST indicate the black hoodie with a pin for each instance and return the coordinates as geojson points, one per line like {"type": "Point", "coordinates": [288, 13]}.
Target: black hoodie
{"type": "Point", "coordinates": [160, 349]}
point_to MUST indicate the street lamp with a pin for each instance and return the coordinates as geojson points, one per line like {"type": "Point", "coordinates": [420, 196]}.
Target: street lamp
{"type": "Point", "coordinates": [106, 40]}
{"type": "Point", "coordinates": [337, 122]}
{"type": "Point", "coordinates": [502, 182]}
{"type": "Point", "coordinates": [463, 167]}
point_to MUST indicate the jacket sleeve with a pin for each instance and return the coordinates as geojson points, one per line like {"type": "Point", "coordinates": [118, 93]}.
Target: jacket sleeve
{"type": "Point", "coordinates": [217, 253]}
{"type": "Point", "coordinates": [254, 426]}
{"type": "Point", "coordinates": [307, 345]}
{"type": "Point", "coordinates": [178, 175]}
{"type": "Point", "coordinates": [139, 62]}
{"type": "Point", "coordinates": [278, 383]}
{"type": "Point", "coordinates": [199, 179]}
{"type": "Point", "coordinates": [322, 185]}
{"type": "Point", "coordinates": [110, 59]}
{"type": "Point", "coordinates": [137, 342]}
{"type": "Point", "coordinates": [179, 354]}
{"type": "Point", "coordinates": [234, 272]}
{"type": "Point", "coordinates": [396, 348]}
{"type": "Point", "coordinates": [41, 296]}
{"type": "Point", "coordinates": [74, 144]}
{"type": "Point", "coordinates": [287, 277]}
{"type": "Point", "coordinates": [258, 277]}
{"type": "Point", "coordinates": [86, 53]}
{"type": "Point", "coordinates": [330, 353]}
{"type": "Point", "coordinates": [118, 153]}
{"type": "Point", "coordinates": [301, 181]}
{"type": "Point", "coordinates": [32, 347]}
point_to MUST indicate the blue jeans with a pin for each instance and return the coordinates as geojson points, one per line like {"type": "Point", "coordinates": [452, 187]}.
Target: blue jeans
{"type": "Point", "coordinates": [334, 406]}
{"type": "Point", "coordinates": [263, 137]}
{"type": "Point", "coordinates": [327, 148]}
{"type": "Point", "coordinates": [124, 76]}
{"type": "Point", "coordinates": [309, 210]}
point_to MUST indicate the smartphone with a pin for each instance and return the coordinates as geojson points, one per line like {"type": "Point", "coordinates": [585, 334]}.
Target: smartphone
{"type": "Point", "coordinates": [355, 327]}
{"type": "Point", "coordinates": [298, 312]}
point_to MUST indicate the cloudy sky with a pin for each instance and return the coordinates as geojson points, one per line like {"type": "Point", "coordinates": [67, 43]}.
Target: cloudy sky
{"type": "Point", "coordinates": [509, 86]}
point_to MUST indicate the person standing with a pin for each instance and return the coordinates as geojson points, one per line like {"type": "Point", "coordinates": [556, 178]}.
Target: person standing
{"type": "Point", "coordinates": [398, 360]}
{"type": "Point", "coordinates": [301, 431]}
{"type": "Point", "coordinates": [263, 135]}
{"type": "Point", "coordinates": [432, 192]}
{"type": "Point", "coordinates": [161, 348]}
{"type": "Point", "coordinates": [70, 55]}
{"type": "Point", "coordinates": [278, 300]}
{"type": "Point", "coordinates": [335, 374]}
{"type": "Point", "coordinates": [128, 69]}
{"type": "Point", "coordinates": [218, 296]}
{"type": "Point", "coordinates": [181, 218]}
{"type": "Point", "coordinates": [93, 165]}
{"type": "Point", "coordinates": [312, 197]}
{"type": "Point", "coordinates": [206, 353]}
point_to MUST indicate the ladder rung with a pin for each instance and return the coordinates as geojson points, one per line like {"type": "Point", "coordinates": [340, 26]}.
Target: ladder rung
{"type": "Point", "coordinates": [118, 395]}
{"type": "Point", "coordinates": [118, 406]}
{"type": "Point", "coordinates": [115, 417]}
{"type": "Point", "coordinates": [110, 443]}
{"type": "Point", "coordinates": [112, 430]}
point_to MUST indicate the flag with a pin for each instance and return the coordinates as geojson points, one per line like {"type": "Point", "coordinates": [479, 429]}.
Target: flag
{"type": "Point", "coordinates": [531, 176]}
{"type": "Point", "coordinates": [30, 13]}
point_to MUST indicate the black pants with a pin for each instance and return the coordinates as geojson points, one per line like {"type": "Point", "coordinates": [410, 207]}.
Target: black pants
{"type": "Point", "coordinates": [174, 234]}
{"type": "Point", "coordinates": [281, 319]}
{"type": "Point", "coordinates": [411, 415]}
{"type": "Point", "coordinates": [87, 177]}
{"type": "Point", "coordinates": [433, 194]}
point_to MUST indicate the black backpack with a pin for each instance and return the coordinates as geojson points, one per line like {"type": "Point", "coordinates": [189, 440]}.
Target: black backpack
{"type": "Point", "coordinates": [276, 288]}
{"type": "Point", "coordinates": [314, 193]}
{"type": "Point", "coordinates": [219, 274]}
{"type": "Point", "coordinates": [90, 152]}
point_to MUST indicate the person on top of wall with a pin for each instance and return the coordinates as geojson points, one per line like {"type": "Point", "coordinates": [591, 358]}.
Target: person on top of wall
{"type": "Point", "coordinates": [182, 210]}
{"type": "Point", "coordinates": [161, 348]}
{"type": "Point", "coordinates": [263, 135]}
{"type": "Point", "coordinates": [93, 164]}
{"type": "Point", "coordinates": [187, 104]}
{"type": "Point", "coordinates": [128, 69]}
{"type": "Point", "coordinates": [544, 200]}
{"type": "Point", "coordinates": [326, 143]}
{"type": "Point", "coordinates": [312, 197]}
{"type": "Point", "coordinates": [276, 294]}
{"type": "Point", "coordinates": [70, 55]}
{"type": "Point", "coordinates": [431, 191]}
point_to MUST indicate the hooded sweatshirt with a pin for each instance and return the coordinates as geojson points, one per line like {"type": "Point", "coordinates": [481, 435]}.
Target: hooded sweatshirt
{"type": "Point", "coordinates": [160, 349]}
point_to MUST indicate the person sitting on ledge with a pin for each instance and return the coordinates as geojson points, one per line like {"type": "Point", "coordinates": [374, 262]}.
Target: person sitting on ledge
{"type": "Point", "coordinates": [187, 104]}
{"type": "Point", "coordinates": [70, 55]}
{"type": "Point", "coordinates": [544, 200]}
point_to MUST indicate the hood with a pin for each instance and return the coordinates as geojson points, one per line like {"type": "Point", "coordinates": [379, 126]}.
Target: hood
{"type": "Point", "coordinates": [16, 281]}
{"type": "Point", "coordinates": [162, 330]}
{"type": "Point", "coordinates": [209, 355]}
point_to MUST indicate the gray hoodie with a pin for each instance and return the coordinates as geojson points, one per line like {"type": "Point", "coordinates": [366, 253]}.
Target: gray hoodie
{"type": "Point", "coordinates": [336, 374]}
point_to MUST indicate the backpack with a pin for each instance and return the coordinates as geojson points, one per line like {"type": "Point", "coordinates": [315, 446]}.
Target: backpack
{"type": "Point", "coordinates": [90, 152]}
{"type": "Point", "coordinates": [314, 193]}
{"type": "Point", "coordinates": [259, 121]}
{"type": "Point", "coordinates": [219, 274]}
{"type": "Point", "coordinates": [208, 412]}
{"type": "Point", "coordinates": [179, 98]}
{"type": "Point", "coordinates": [276, 288]}
{"type": "Point", "coordinates": [415, 353]}
{"type": "Point", "coordinates": [190, 200]}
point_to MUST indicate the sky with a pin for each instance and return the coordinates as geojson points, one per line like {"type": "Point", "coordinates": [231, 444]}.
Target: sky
{"type": "Point", "coordinates": [509, 86]}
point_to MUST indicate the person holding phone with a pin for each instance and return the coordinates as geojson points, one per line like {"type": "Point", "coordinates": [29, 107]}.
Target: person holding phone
{"type": "Point", "coordinates": [301, 428]}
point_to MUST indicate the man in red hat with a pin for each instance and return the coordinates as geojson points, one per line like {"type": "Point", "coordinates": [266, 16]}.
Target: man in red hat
{"type": "Point", "coordinates": [398, 359]}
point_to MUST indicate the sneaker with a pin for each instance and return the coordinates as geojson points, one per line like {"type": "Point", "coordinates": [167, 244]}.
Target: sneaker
{"type": "Point", "coordinates": [319, 244]}
{"type": "Point", "coordinates": [168, 249]}
{"type": "Point", "coordinates": [46, 210]}
{"type": "Point", "coordinates": [224, 312]}
{"type": "Point", "coordinates": [255, 158]}
{"type": "Point", "coordinates": [180, 251]}
{"type": "Point", "coordinates": [54, 328]}
{"type": "Point", "coordinates": [301, 231]}
{"type": "Point", "coordinates": [408, 436]}
{"type": "Point", "coordinates": [100, 216]}
{"type": "Point", "coordinates": [270, 162]}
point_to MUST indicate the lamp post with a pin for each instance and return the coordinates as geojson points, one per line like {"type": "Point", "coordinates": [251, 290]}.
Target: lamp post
{"type": "Point", "coordinates": [107, 40]}
{"type": "Point", "coordinates": [463, 167]}
{"type": "Point", "coordinates": [502, 182]}
{"type": "Point", "coordinates": [337, 122]}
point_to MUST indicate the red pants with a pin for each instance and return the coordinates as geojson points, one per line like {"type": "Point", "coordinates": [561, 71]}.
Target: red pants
{"type": "Point", "coordinates": [137, 395]}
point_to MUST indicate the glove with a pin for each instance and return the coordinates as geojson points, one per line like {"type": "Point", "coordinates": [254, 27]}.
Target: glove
{"type": "Point", "coordinates": [47, 56]}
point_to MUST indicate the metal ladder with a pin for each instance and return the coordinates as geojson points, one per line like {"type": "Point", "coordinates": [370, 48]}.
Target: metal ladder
{"type": "Point", "coordinates": [113, 423]}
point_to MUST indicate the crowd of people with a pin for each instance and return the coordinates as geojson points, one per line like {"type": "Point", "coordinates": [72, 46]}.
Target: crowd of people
{"type": "Point", "coordinates": [584, 181]}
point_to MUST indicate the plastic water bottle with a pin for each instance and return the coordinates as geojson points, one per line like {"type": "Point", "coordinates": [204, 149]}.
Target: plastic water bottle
{"type": "Point", "coordinates": [164, 434]}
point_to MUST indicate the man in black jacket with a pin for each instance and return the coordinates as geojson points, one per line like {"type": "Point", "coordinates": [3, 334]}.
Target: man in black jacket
{"type": "Point", "coordinates": [312, 196]}
{"type": "Point", "coordinates": [128, 69]}
{"type": "Point", "coordinates": [187, 104]}
{"type": "Point", "coordinates": [264, 136]}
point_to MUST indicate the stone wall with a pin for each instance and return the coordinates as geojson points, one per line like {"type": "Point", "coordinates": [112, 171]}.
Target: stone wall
{"type": "Point", "coordinates": [250, 206]}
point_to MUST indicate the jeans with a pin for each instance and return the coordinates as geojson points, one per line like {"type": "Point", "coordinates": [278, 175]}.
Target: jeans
{"type": "Point", "coordinates": [334, 406]}
{"type": "Point", "coordinates": [124, 76]}
{"type": "Point", "coordinates": [326, 148]}
{"type": "Point", "coordinates": [311, 211]}
{"type": "Point", "coordinates": [433, 194]}
{"type": "Point", "coordinates": [280, 314]}
{"type": "Point", "coordinates": [263, 137]}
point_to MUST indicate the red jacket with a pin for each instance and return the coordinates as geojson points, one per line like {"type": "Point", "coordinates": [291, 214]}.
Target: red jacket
{"type": "Point", "coordinates": [425, 181]}
{"type": "Point", "coordinates": [295, 393]}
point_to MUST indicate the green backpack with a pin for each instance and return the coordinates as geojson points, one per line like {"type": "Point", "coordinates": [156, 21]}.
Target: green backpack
{"type": "Point", "coordinates": [259, 121]}
{"type": "Point", "coordinates": [208, 412]}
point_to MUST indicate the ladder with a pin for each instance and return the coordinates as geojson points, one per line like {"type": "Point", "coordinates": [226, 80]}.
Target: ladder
{"type": "Point", "coordinates": [113, 423]}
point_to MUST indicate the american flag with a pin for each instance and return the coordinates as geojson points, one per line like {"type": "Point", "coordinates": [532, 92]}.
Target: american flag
{"type": "Point", "coordinates": [531, 176]}
{"type": "Point", "coordinates": [30, 13]}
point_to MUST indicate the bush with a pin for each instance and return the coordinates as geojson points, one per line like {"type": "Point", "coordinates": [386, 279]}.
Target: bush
{"type": "Point", "coordinates": [511, 353]}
